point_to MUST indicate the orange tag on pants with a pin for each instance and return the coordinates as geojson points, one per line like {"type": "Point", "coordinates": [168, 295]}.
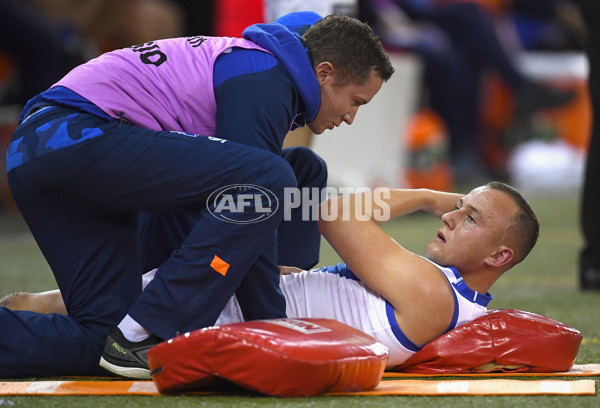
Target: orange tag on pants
{"type": "Point", "coordinates": [219, 265]}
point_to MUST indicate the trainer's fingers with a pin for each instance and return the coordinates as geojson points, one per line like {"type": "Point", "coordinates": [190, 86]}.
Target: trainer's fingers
{"type": "Point", "coordinates": [286, 270]}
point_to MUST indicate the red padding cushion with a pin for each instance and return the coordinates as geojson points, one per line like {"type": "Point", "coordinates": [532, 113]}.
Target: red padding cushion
{"type": "Point", "coordinates": [284, 357]}
{"type": "Point", "coordinates": [502, 340]}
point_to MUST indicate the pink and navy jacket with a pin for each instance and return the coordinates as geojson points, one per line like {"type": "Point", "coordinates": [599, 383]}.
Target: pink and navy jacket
{"type": "Point", "coordinates": [160, 85]}
{"type": "Point", "coordinates": [249, 90]}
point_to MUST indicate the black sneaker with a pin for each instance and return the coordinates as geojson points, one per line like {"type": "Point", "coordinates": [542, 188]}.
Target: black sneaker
{"type": "Point", "coordinates": [127, 358]}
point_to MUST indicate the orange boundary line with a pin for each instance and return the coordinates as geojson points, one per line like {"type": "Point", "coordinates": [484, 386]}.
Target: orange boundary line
{"type": "Point", "coordinates": [480, 387]}
{"type": "Point", "coordinates": [578, 370]}
{"type": "Point", "coordinates": [391, 387]}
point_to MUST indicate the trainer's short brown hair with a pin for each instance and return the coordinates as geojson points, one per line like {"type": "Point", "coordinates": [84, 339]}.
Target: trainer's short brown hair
{"type": "Point", "coordinates": [351, 47]}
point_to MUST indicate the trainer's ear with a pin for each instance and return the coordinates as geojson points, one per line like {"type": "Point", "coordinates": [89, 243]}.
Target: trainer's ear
{"type": "Point", "coordinates": [323, 71]}
{"type": "Point", "coordinates": [501, 257]}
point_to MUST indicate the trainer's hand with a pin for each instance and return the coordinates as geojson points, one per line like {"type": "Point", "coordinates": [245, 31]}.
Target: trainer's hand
{"type": "Point", "coordinates": [286, 270]}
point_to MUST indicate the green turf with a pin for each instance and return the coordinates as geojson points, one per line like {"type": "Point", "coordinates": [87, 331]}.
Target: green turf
{"type": "Point", "coordinates": [545, 283]}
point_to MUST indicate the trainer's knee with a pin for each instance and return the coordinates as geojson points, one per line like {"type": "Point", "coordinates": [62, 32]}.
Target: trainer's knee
{"type": "Point", "coordinates": [275, 173]}
{"type": "Point", "coordinates": [309, 168]}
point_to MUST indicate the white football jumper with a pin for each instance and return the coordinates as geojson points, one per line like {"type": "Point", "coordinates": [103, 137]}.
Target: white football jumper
{"type": "Point", "coordinates": [336, 293]}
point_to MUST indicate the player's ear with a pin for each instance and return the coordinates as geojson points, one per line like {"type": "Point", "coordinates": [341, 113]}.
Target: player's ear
{"type": "Point", "coordinates": [501, 257]}
{"type": "Point", "coordinates": [323, 71]}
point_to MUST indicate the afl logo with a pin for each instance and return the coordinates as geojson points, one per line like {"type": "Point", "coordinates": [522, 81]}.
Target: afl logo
{"type": "Point", "coordinates": [256, 203]}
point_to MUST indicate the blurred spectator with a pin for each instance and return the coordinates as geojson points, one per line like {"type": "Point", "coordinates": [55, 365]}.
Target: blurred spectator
{"type": "Point", "coordinates": [458, 44]}
{"type": "Point", "coordinates": [589, 263]}
{"type": "Point", "coordinates": [549, 25]}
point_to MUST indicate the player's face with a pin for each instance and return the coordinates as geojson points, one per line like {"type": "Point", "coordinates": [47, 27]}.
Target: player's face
{"type": "Point", "coordinates": [474, 231]}
{"type": "Point", "coordinates": [339, 103]}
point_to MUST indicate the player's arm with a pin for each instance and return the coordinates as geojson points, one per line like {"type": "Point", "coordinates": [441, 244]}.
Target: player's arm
{"type": "Point", "coordinates": [417, 290]}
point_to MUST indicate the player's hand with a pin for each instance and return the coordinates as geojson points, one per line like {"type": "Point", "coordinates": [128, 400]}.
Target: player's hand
{"type": "Point", "coordinates": [443, 202]}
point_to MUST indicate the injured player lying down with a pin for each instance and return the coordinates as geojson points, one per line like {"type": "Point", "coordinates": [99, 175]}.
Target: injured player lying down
{"type": "Point", "coordinates": [401, 299]}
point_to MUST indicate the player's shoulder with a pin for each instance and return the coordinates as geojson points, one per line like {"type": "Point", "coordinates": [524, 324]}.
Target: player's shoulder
{"type": "Point", "coordinates": [451, 273]}
{"type": "Point", "coordinates": [426, 310]}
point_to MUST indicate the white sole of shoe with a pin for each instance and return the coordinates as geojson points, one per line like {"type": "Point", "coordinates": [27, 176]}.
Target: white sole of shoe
{"type": "Point", "coordinates": [129, 372]}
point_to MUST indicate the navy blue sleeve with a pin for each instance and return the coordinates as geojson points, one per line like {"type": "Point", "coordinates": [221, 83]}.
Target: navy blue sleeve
{"type": "Point", "coordinates": [256, 99]}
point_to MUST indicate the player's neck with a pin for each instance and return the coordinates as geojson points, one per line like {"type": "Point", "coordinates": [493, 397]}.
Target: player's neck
{"type": "Point", "coordinates": [480, 280]}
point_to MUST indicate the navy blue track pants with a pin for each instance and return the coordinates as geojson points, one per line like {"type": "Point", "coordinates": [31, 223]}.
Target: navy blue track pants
{"type": "Point", "coordinates": [81, 183]}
